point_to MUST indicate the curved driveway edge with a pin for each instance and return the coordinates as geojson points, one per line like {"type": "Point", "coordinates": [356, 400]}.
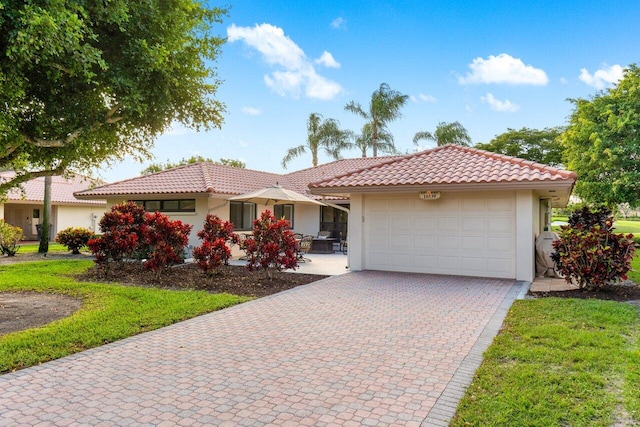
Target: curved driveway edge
{"type": "Point", "coordinates": [366, 348]}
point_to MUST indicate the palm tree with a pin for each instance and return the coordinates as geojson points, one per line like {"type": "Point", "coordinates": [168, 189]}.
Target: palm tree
{"type": "Point", "coordinates": [446, 133]}
{"type": "Point", "coordinates": [321, 134]}
{"type": "Point", "coordinates": [384, 108]}
{"type": "Point", "coordinates": [364, 141]}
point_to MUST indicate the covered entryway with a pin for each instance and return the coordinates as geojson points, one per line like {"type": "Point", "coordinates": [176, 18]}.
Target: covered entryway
{"type": "Point", "coordinates": [470, 234]}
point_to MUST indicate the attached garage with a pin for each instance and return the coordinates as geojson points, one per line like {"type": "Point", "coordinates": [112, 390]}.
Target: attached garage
{"type": "Point", "coordinates": [488, 211]}
{"type": "Point", "coordinates": [466, 234]}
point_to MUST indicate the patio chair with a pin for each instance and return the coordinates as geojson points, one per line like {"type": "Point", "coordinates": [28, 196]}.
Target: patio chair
{"type": "Point", "coordinates": [304, 247]}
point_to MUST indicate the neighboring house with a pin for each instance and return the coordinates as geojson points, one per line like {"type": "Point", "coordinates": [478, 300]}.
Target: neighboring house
{"type": "Point", "coordinates": [23, 206]}
{"type": "Point", "coordinates": [449, 210]}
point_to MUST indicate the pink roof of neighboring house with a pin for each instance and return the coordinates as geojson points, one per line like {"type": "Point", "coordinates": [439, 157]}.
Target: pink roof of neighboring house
{"type": "Point", "coordinates": [446, 165]}
{"type": "Point", "coordinates": [62, 190]}
{"type": "Point", "coordinates": [203, 178]}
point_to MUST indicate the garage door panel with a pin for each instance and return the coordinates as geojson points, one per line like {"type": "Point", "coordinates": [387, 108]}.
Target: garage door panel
{"type": "Point", "coordinates": [474, 205]}
{"type": "Point", "coordinates": [424, 224]}
{"type": "Point", "coordinates": [474, 224]}
{"type": "Point", "coordinates": [463, 233]}
{"type": "Point", "coordinates": [448, 242]}
{"type": "Point", "coordinates": [448, 224]}
{"type": "Point", "coordinates": [501, 205]}
{"type": "Point", "coordinates": [503, 225]}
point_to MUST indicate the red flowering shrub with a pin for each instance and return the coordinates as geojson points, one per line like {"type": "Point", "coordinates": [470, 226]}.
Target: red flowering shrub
{"type": "Point", "coordinates": [74, 238]}
{"type": "Point", "coordinates": [166, 240]}
{"type": "Point", "coordinates": [589, 253]}
{"type": "Point", "coordinates": [273, 246]}
{"type": "Point", "coordinates": [122, 229]}
{"type": "Point", "coordinates": [214, 251]}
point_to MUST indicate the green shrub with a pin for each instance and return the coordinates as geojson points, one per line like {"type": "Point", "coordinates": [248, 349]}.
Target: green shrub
{"type": "Point", "coordinates": [589, 253]}
{"type": "Point", "coordinates": [74, 238]}
{"type": "Point", "coordinates": [10, 236]}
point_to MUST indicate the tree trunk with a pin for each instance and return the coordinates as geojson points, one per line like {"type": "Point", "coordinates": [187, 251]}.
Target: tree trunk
{"type": "Point", "coordinates": [374, 139]}
{"type": "Point", "coordinates": [46, 217]}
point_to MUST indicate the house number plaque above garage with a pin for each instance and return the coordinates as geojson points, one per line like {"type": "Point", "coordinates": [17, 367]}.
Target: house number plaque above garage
{"type": "Point", "coordinates": [429, 195]}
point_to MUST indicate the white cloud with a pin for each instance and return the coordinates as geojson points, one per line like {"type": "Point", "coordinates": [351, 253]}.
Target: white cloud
{"type": "Point", "coordinates": [251, 111]}
{"type": "Point", "coordinates": [427, 98]}
{"type": "Point", "coordinates": [297, 74]}
{"type": "Point", "coordinates": [339, 22]}
{"type": "Point", "coordinates": [497, 105]}
{"type": "Point", "coordinates": [563, 80]}
{"type": "Point", "coordinates": [327, 60]}
{"type": "Point", "coordinates": [503, 69]}
{"type": "Point", "coordinates": [602, 77]}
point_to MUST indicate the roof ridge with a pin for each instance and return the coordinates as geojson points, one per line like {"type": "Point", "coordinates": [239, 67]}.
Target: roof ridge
{"type": "Point", "coordinates": [371, 167]}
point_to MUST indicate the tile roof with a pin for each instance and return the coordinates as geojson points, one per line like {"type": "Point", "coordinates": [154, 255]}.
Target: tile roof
{"type": "Point", "coordinates": [202, 178]}
{"type": "Point", "coordinates": [446, 165]}
{"type": "Point", "coordinates": [62, 189]}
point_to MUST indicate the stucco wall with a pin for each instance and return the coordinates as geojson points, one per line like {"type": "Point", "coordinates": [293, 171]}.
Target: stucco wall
{"type": "Point", "coordinates": [77, 216]}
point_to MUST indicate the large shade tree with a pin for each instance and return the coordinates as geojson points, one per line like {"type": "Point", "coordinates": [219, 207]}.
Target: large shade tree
{"type": "Point", "coordinates": [364, 141]}
{"type": "Point", "coordinates": [536, 145]}
{"type": "Point", "coordinates": [384, 107]}
{"type": "Point", "coordinates": [82, 83]}
{"type": "Point", "coordinates": [445, 133]}
{"type": "Point", "coordinates": [602, 143]}
{"type": "Point", "coordinates": [322, 134]}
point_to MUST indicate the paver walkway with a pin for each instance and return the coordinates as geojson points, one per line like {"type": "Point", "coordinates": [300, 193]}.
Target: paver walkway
{"type": "Point", "coordinates": [366, 348]}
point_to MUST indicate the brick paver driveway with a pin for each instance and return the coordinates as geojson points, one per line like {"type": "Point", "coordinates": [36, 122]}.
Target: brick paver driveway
{"type": "Point", "coordinates": [365, 348]}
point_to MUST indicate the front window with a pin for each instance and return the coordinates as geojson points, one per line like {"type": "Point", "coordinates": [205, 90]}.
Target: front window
{"type": "Point", "coordinates": [284, 212]}
{"type": "Point", "coordinates": [183, 205]}
{"type": "Point", "coordinates": [242, 215]}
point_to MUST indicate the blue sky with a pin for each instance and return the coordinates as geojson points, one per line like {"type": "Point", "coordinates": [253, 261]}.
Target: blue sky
{"type": "Point", "coordinates": [489, 65]}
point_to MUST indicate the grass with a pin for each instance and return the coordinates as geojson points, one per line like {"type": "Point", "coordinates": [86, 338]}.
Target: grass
{"type": "Point", "coordinates": [28, 248]}
{"type": "Point", "coordinates": [621, 225]}
{"type": "Point", "coordinates": [559, 362]}
{"type": "Point", "coordinates": [109, 312]}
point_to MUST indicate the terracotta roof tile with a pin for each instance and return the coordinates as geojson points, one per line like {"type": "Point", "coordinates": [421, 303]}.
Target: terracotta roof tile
{"type": "Point", "coordinates": [200, 178]}
{"type": "Point", "coordinates": [62, 189]}
{"type": "Point", "coordinates": [449, 164]}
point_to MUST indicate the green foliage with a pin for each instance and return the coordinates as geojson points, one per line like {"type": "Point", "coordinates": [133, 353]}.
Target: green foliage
{"type": "Point", "coordinates": [322, 134]}
{"type": "Point", "coordinates": [109, 312]}
{"type": "Point", "coordinates": [589, 253]}
{"type": "Point", "coordinates": [384, 107]}
{"type": "Point", "coordinates": [602, 143]}
{"type": "Point", "coordinates": [10, 236]}
{"type": "Point", "coordinates": [445, 133]}
{"type": "Point", "coordinates": [214, 250]}
{"type": "Point", "coordinates": [540, 146]}
{"type": "Point", "coordinates": [558, 362]}
{"type": "Point", "coordinates": [157, 167]}
{"type": "Point", "coordinates": [272, 246]}
{"type": "Point", "coordinates": [364, 141]}
{"type": "Point", "coordinates": [74, 238]}
{"type": "Point", "coordinates": [86, 82]}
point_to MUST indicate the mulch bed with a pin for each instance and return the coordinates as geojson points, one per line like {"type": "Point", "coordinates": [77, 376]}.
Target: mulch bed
{"type": "Point", "coordinates": [627, 291]}
{"type": "Point", "coordinates": [237, 280]}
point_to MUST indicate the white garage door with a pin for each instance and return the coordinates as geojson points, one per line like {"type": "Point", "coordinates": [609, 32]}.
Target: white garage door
{"type": "Point", "coordinates": [470, 234]}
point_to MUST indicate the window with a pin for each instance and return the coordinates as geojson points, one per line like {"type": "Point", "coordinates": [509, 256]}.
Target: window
{"type": "Point", "coordinates": [242, 214]}
{"type": "Point", "coordinates": [334, 220]}
{"type": "Point", "coordinates": [284, 211]}
{"type": "Point", "coordinates": [187, 205]}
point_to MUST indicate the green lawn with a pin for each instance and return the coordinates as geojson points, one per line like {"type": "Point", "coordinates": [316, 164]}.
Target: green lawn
{"type": "Point", "coordinates": [559, 362]}
{"type": "Point", "coordinates": [621, 226]}
{"type": "Point", "coordinates": [33, 247]}
{"type": "Point", "coordinates": [109, 312]}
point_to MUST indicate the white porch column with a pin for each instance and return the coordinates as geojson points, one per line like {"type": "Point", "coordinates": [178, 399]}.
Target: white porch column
{"type": "Point", "coordinates": [525, 236]}
{"type": "Point", "coordinates": [356, 233]}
